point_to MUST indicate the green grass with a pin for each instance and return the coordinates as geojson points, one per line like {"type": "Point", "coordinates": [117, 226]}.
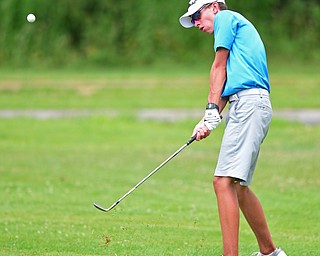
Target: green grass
{"type": "Point", "coordinates": [52, 170]}
{"type": "Point", "coordinates": [292, 87]}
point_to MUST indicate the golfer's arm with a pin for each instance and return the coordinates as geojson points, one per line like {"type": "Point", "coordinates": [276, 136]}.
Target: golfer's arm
{"type": "Point", "coordinates": [218, 76]}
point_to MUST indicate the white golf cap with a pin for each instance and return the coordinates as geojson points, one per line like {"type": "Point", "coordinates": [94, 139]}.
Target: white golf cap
{"type": "Point", "coordinates": [194, 6]}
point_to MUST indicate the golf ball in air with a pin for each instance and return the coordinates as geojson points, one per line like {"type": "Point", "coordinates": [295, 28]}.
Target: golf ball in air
{"type": "Point", "coordinates": [31, 18]}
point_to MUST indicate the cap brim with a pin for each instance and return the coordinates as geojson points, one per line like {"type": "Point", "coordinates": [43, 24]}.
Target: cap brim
{"type": "Point", "coordinates": [185, 20]}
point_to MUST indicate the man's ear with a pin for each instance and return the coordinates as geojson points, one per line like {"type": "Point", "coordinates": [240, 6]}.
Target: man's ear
{"type": "Point", "coordinates": [215, 7]}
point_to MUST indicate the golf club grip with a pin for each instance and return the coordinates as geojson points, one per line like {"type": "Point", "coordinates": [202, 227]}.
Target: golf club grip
{"type": "Point", "coordinates": [191, 140]}
{"type": "Point", "coordinates": [195, 136]}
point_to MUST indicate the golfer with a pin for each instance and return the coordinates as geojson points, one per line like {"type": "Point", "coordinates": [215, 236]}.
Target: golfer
{"type": "Point", "coordinates": [239, 75]}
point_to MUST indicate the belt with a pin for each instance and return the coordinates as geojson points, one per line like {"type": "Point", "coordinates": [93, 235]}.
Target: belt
{"type": "Point", "coordinates": [254, 91]}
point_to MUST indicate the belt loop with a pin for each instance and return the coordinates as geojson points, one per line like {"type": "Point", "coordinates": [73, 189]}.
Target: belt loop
{"type": "Point", "coordinates": [260, 92]}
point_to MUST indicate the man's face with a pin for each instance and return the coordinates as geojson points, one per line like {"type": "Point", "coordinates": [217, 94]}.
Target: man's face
{"type": "Point", "coordinates": [206, 20]}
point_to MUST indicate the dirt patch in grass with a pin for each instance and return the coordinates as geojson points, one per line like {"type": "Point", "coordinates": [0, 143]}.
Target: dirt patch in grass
{"type": "Point", "coordinates": [306, 116]}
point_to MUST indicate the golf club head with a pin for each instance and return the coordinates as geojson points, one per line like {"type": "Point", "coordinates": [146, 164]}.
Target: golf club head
{"type": "Point", "coordinates": [98, 206]}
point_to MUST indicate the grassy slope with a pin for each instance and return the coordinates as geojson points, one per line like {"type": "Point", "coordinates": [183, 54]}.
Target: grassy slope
{"type": "Point", "coordinates": [52, 171]}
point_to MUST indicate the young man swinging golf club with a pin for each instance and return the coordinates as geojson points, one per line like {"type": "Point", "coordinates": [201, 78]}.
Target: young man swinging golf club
{"type": "Point", "coordinates": [239, 75]}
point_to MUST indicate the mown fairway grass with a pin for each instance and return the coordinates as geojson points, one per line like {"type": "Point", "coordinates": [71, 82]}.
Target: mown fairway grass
{"type": "Point", "coordinates": [53, 169]}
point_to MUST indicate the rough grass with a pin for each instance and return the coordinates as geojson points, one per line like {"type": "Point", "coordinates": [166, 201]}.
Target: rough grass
{"type": "Point", "coordinates": [52, 170]}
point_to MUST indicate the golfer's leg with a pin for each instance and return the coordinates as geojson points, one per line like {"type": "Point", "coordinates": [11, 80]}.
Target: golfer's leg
{"type": "Point", "coordinates": [229, 213]}
{"type": "Point", "coordinates": [253, 212]}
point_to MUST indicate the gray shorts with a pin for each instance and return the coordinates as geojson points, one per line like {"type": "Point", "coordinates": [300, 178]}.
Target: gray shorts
{"type": "Point", "coordinates": [247, 124]}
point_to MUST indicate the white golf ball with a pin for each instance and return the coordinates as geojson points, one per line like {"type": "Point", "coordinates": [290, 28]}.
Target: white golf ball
{"type": "Point", "coordinates": [31, 18]}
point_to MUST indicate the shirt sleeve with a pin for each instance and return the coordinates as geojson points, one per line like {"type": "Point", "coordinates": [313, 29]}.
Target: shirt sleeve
{"type": "Point", "coordinates": [225, 29]}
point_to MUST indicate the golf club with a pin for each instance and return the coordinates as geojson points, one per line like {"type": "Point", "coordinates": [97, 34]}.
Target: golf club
{"type": "Point", "coordinates": [98, 206]}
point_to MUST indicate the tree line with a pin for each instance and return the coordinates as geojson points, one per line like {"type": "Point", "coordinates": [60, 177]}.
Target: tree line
{"type": "Point", "coordinates": [141, 32]}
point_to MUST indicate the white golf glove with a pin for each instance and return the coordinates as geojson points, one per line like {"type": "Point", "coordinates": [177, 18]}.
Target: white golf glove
{"type": "Point", "coordinates": [212, 119]}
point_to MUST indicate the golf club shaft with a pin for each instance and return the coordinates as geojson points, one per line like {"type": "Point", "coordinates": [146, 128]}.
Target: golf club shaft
{"type": "Point", "coordinates": [145, 178]}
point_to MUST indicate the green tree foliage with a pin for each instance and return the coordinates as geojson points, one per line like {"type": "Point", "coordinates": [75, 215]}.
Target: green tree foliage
{"type": "Point", "coordinates": [140, 32]}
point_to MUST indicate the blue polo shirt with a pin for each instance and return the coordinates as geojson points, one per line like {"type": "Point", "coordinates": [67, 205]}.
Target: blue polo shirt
{"type": "Point", "coordinates": [247, 62]}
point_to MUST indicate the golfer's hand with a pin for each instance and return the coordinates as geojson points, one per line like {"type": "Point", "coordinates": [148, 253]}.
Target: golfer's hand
{"type": "Point", "coordinates": [212, 119]}
{"type": "Point", "coordinates": [200, 131]}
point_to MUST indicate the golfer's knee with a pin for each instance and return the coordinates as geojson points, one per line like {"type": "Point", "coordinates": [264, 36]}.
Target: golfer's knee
{"type": "Point", "coordinates": [220, 184]}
